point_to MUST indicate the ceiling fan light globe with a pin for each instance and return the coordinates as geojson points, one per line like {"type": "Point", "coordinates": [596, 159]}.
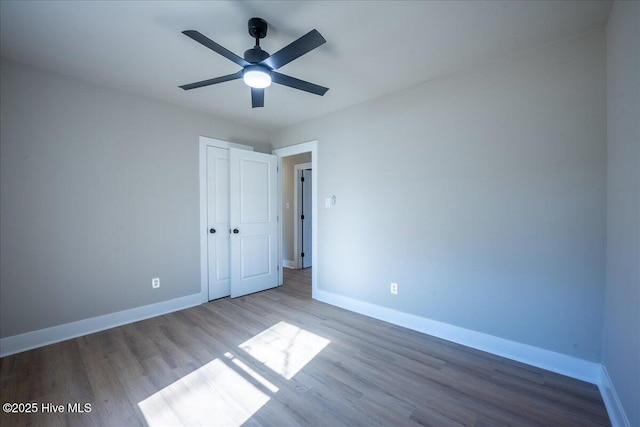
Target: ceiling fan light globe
{"type": "Point", "coordinates": [257, 77]}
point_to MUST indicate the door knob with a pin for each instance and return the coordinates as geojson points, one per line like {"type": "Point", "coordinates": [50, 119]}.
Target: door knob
{"type": "Point", "coordinates": [212, 230]}
{"type": "Point", "coordinates": [236, 231]}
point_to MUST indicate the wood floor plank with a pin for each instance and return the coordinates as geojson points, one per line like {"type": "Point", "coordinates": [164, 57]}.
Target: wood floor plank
{"type": "Point", "coordinates": [204, 366]}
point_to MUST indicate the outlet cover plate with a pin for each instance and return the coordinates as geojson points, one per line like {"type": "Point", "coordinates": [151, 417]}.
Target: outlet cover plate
{"type": "Point", "coordinates": [394, 288]}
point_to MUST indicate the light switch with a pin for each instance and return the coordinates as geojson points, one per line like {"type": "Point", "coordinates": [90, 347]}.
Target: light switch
{"type": "Point", "coordinates": [287, 205]}
{"type": "Point", "coordinates": [327, 202]}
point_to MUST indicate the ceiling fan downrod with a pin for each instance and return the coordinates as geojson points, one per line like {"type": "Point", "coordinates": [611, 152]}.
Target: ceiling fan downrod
{"type": "Point", "coordinates": [257, 29]}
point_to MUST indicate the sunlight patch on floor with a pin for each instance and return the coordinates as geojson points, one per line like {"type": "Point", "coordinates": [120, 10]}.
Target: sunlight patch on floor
{"type": "Point", "coordinates": [256, 376]}
{"type": "Point", "coordinates": [285, 348]}
{"type": "Point", "coordinates": [221, 392]}
{"type": "Point", "coordinates": [214, 394]}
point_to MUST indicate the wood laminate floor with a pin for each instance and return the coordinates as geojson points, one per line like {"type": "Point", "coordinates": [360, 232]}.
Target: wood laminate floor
{"type": "Point", "coordinates": [279, 358]}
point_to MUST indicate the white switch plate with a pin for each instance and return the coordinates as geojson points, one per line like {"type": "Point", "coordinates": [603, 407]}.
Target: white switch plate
{"type": "Point", "coordinates": [155, 283]}
{"type": "Point", "coordinates": [327, 202]}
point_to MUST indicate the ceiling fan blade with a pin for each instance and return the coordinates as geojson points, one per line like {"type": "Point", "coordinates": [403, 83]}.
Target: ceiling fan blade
{"type": "Point", "coordinates": [205, 41]}
{"type": "Point", "coordinates": [209, 82]}
{"type": "Point", "coordinates": [257, 97]}
{"type": "Point", "coordinates": [298, 84]}
{"type": "Point", "coordinates": [294, 50]}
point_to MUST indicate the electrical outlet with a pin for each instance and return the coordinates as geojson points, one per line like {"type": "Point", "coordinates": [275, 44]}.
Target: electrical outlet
{"type": "Point", "coordinates": [155, 283]}
{"type": "Point", "coordinates": [394, 288]}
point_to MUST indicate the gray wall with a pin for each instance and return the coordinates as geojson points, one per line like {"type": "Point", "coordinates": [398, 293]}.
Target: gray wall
{"type": "Point", "coordinates": [288, 190]}
{"type": "Point", "coordinates": [621, 343]}
{"type": "Point", "coordinates": [481, 193]}
{"type": "Point", "coordinates": [99, 193]}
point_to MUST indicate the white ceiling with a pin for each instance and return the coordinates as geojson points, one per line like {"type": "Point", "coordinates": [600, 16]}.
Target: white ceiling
{"type": "Point", "coordinates": [373, 47]}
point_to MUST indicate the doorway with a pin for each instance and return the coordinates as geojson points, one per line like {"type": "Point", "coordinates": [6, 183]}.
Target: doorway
{"type": "Point", "coordinates": [282, 153]}
{"type": "Point", "coordinates": [303, 215]}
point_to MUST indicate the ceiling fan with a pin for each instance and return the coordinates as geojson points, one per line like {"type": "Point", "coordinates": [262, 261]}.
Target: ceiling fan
{"type": "Point", "coordinates": [258, 67]}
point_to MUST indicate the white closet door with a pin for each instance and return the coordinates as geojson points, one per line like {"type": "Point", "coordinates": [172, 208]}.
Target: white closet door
{"type": "Point", "coordinates": [253, 208]}
{"type": "Point", "coordinates": [218, 222]}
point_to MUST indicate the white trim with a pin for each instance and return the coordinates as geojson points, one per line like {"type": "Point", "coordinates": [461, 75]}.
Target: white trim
{"type": "Point", "coordinates": [205, 140]}
{"type": "Point", "coordinates": [617, 416]}
{"type": "Point", "coordinates": [203, 143]}
{"type": "Point", "coordinates": [280, 221]}
{"type": "Point", "coordinates": [54, 334]}
{"type": "Point", "coordinates": [291, 150]}
{"type": "Point", "coordinates": [534, 356]}
{"type": "Point", "coordinates": [289, 264]}
{"type": "Point", "coordinates": [296, 190]}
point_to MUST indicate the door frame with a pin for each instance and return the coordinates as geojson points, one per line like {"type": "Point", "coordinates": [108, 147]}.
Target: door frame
{"type": "Point", "coordinates": [203, 143]}
{"type": "Point", "coordinates": [304, 147]}
{"type": "Point", "coordinates": [297, 260]}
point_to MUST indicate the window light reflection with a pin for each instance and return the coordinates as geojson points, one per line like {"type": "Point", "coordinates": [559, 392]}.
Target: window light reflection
{"type": "Point", "coordinates": [285, 348]}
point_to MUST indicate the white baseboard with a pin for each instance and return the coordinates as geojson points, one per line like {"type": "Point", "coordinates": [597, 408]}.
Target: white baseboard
{"type": "Point", "coordinates": [617, 416]}
{"type": "Point", "coordinates": [289, 264]}
{"type": "Point", "coordinates": [534, 356]}
{"type": "Point", "coordinates": [54, 334]}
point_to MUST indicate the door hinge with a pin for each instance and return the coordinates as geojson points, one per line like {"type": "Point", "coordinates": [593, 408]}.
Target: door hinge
{"type": "Point", "coordinates": [302, 254]}
{"type": "Point", "coordinates": [301, 216]}
{"type": "Point", "coordinates": [302, 178]}
{"type": "Point", "coordinates": [278, 267]}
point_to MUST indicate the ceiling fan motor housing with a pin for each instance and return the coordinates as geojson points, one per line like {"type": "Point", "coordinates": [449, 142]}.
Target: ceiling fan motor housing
{"type": "Point", "coordinates": [255, 55]}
